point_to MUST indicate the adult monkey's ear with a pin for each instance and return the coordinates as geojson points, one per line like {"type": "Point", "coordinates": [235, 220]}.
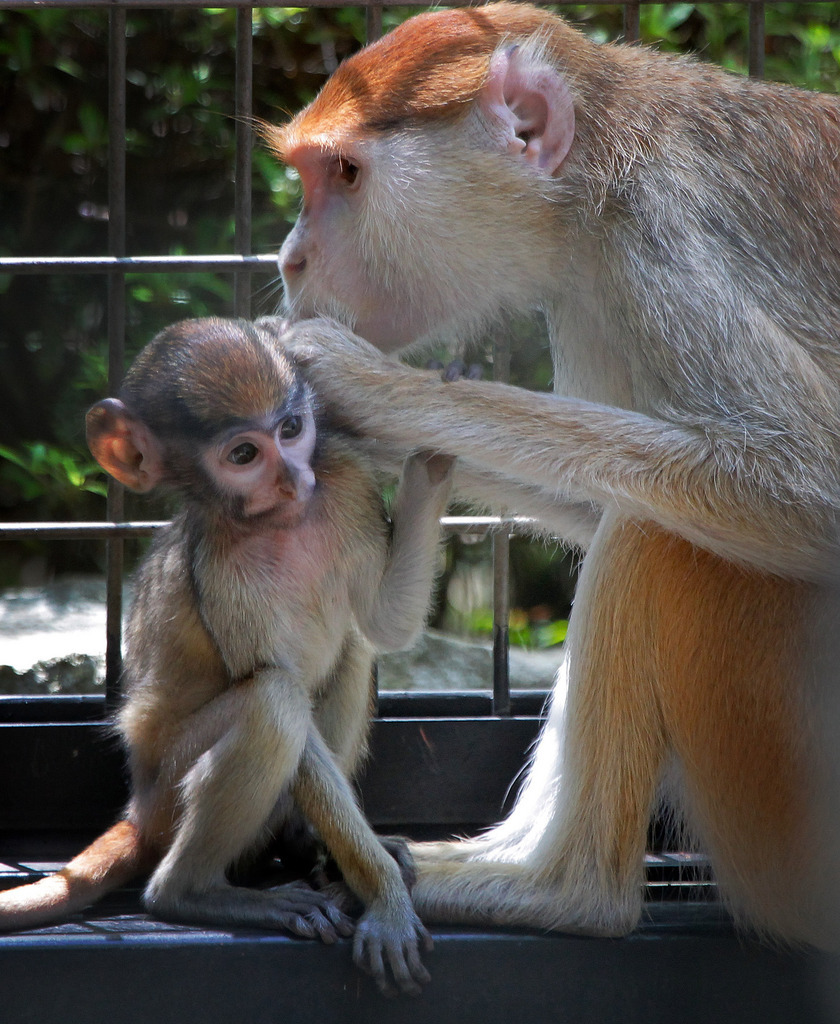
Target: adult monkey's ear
{"type": "Point", "coordinates": [124, 446]}
{"type": "Point", "coordinates": [528, 105]}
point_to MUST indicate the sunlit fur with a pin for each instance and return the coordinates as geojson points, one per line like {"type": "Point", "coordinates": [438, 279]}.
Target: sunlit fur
{"type": "Point", "coordinates": [686, 254]}
{"type": "Point", "coordinates": [445, 277]}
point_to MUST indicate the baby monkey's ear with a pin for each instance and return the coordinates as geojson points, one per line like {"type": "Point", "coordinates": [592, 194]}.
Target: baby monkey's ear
{"type": "Point", "coordinates": [124, 446]}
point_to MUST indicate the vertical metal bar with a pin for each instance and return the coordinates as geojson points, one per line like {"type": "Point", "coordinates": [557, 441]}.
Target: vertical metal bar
{"type": "Point", "coordinates": [631, 30]}
{"type": "Point", "coordinates": [374, 691]}
{"type": "Point", "coordinates": [756, 39]}
{"type": "Point", "coordinates": [501, 629]}
{"type": "Point", "coordinates": [373, 22]}
{"type": "Point", "coordinates": [244, 106]}
{"type": "Point", "coordinates": [501, 570]}
{"type": "Point", "coordinates": [116, 332]}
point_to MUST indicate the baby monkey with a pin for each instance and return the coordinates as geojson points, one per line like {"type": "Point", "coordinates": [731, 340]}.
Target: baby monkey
{"type": "Point", "coordinates": [250, 643]}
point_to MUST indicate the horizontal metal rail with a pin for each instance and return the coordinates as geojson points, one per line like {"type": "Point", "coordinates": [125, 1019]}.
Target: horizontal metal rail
{"type": "Point", "coordinates": [230, 4]}
{"type": "Point", "coordinates": [474, 526]}
{"type": "Point", "coordinates": [137, 264]}
{"type": "Point", "coordinates": [79, 531]}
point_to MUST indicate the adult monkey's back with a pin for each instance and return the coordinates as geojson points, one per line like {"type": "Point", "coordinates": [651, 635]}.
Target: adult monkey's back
{"type": "Point", "coordinates": [679, 227]}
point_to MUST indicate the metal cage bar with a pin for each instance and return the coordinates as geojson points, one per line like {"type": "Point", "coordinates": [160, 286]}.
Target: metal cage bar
{"type": "Point", "coordinates": [117, 214]}
{"type": "Point", "coordinates": [756, 38]}
{"type": "Point", "coordinates": [501, 570]}
{"type": "Point", "coordinates": [244, 106]}
{"type": "Point", "coordinates": [373, 22]}
{"type": "Point", "coordinates": [631, 21]}
{"type": "Point", "coordinates": [137, 264]}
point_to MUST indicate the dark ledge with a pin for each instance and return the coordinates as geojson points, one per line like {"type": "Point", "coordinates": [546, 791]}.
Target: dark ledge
{"type": "Point", "coordinates": [684, 965]}
{"type": "Point", "coordinates": [439, 764]}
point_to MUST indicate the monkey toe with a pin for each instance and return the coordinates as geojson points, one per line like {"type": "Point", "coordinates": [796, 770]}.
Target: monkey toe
{"type": "Point", "coordinates": [323, 927]}
{"type": "Point", "coordinates": [396, 968]}
{"type": "Point", "coordinates": [341, 899]}
{"type": "Point", "coordinates": [310, 913]}
{"type": "Point", "coordinates": [298, 925]}
{"type": "Point", "coordinates": [390, 953]}
{"type": "Point", "coordinates": [415, 967]}
{"type": "Point", "coordinates": [316, 923]}
{"type": "Point", "coordinates": [370, 958]}
{"type": "Point", "coordinates": [339, 917]}
{"type": "Point", "coordinates": [455, 370]}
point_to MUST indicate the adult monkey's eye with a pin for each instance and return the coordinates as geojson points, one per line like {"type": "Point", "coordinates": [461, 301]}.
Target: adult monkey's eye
{"type": "Point", "coordinates": [291, 427]}
{"type": "Point", "coordinates": [347, 170]}
{"type": "Point", "coordinates": [243, 453]}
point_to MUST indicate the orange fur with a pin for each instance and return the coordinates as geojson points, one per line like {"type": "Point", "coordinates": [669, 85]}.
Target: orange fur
{"type": "Point", "coordinates": [733, 652]}
{"type": "Point", "coordinates": [433, 67]}
{"type": "Point", "coordinates": [113, 859]}
{"type": "Point", "coordinates": [698, 666]}
{"type": "Point", "coordinates": [709, 649]}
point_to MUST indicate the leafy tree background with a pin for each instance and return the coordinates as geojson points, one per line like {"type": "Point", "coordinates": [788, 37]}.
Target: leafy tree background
{"type": "Point", "coordinates": [53, 201]}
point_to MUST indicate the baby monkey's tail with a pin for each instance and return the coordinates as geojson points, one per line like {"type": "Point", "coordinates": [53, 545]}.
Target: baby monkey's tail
{"type": "Point", "coordinates": [110, 861]}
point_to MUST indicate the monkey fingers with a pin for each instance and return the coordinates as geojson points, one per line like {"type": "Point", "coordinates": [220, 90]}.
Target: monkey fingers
{"type": "Point", "coordinates": [386, 946]}
{"type": "Point", "coordinates": [324, 345]}
{"type": "Point", "coordinates": [311, 913]}
{"type": "Point", "coordinates": [294, 907]}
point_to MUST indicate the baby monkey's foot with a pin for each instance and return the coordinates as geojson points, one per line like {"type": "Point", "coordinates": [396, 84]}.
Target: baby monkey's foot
{"type": "Point", "coordinates": [311, 913]}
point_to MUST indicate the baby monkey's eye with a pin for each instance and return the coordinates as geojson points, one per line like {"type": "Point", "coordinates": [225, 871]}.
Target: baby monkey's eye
{"type": "Point", "coordinates": [291, 427]}
{"type": "Point", "coordinates": [243, 453]}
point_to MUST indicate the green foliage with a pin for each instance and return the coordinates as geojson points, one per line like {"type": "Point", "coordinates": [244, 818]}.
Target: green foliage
{"type": "Point", "coordinates": [180, 155]}
{"type": "Point", "coordinates": [534, 635]}
{"type": "Point", "coordinates": [802, 39]}
{"type": "Point", "coordinates": [38, 471]}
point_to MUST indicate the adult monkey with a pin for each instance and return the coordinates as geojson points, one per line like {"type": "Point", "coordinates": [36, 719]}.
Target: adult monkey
{"type": "Point", "coordinates": [679, 228]}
